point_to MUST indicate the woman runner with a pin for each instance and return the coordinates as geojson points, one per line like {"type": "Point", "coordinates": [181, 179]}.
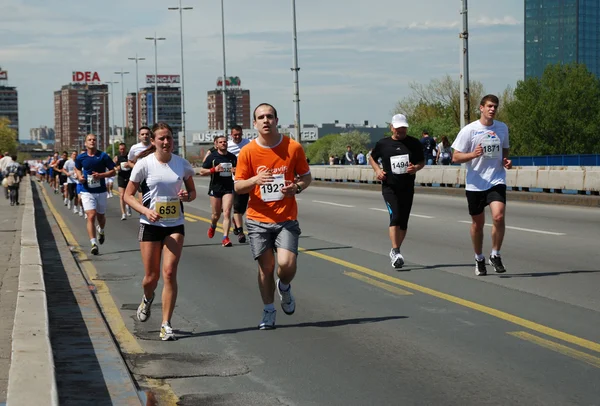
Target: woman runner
{"type": "Point", "coordinates": [161, 175]}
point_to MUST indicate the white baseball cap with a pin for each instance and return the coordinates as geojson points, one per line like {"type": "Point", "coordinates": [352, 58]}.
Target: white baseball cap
{"type": "Point", "coordinates": [399, 120]}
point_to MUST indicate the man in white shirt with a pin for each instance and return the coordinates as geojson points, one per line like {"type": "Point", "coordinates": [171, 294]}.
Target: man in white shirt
{"type": "Point", "coordinates": [240, 201]}
{"type": "Point", "coordinates": [5, 161]}
{"type": "Point", "coordinates": [136, 149]}
{"type": "Point", "coordinates": [483, 146]}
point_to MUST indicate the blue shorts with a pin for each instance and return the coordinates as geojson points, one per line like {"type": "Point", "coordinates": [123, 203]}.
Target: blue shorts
{"type": "Point", "coordinates": [50, 172]}
{"type": "Point", "coordinates": [79, 188]}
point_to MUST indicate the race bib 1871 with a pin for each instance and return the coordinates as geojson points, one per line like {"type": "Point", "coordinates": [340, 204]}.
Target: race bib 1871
{"type": "Point", "coordinates": [491, 147]}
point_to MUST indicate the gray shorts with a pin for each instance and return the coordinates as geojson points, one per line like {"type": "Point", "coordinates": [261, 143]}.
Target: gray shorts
{"type": "Point", "coordinates": [264, 236]}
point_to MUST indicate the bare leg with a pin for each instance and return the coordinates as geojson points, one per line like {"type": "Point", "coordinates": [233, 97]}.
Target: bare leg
{"type": "Point", "coordinates": [477, 232]}
{"type": "Point", "coordinates": [172, 248]}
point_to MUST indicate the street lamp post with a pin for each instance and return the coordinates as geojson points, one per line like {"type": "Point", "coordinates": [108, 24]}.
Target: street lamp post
{"type": "Point", "coordinates": [184, 149]}
{"type": "Point", "coordinates": [296, 69]}
{"type": "Point", "coordinates": [112, 114]}
{"type": "Point", "coordinates": [137, 89]}
{"type": "Point", "coordinates": [104, 94]}
{"type": "Point", "coordinates": [224, 70]}
{"type": "Point", "coordinates": [122, 100]}
{"type": "Point", "coordinates": [465, 99]}
{"type": "Point", "coordinates": [155, 75]}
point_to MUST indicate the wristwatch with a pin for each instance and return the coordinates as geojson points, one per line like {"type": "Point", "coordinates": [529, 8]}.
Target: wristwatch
{"type": "Point", "coordinates": [298, 188]}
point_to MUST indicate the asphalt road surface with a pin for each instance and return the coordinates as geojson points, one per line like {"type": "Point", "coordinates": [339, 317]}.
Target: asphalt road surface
{"type": "Point", "coordinates": [363, 333]}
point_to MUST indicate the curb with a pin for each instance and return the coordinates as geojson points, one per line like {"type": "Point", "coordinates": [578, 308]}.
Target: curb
{"type": "Point", "coordinates": [514, 195]}
{"type": "Point", "coordinates": [32, 362]}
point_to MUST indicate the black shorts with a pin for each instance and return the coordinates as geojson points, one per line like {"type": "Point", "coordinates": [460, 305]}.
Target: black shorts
{"type": "Point", "coordinates": [62, 179]}
{"type": "Point", "coordinates": [150, 233]}
{"type": "Point", "coordinates": [219, 192]}
{"type": "Point", "coordinates": [478, 200]}
{"type": "Point", "coordinates": [122, 182]}
{"type": "Point", "coordinates": [240, 202]}
{"type": "Point", "coordinates": [399, 203]}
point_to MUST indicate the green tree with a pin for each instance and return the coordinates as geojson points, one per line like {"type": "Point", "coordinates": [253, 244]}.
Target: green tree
{"type": "Point", "coordinates": [8, 137]}
{"type": "Point", "coordinates": [319, 151]}
{"type": "Point", "coordinates": [557, 113]}
{"type": "Point", "coordinates": [357, 140]}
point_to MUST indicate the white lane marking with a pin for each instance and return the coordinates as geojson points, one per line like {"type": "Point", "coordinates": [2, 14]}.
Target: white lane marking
{"type": "Point", "coordinates": [331, 203]}
{"type": "Point", "coordinates": [414, 215]}
{"type": "Point", "coordinates": [522, 229]}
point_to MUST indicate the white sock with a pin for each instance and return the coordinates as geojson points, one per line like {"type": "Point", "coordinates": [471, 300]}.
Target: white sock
{"type": "Point", "coordinates": [270, 307]}
{"type": "Point", "coordinates": [93, 241]}
{"type": "Point", "coordinates": [479, 257]}
{"type": "Point", "coordinates": [495, 253]}
{"type": "Point", "coordinates": [283, 286]}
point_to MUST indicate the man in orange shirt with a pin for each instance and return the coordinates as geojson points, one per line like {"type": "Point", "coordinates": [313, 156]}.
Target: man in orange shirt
{"type": "Point", "coordinates": [266, 169]}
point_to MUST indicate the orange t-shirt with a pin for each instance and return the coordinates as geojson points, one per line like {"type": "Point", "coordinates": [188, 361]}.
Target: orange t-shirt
{"type": "Point", "coordinates": [286, 158]}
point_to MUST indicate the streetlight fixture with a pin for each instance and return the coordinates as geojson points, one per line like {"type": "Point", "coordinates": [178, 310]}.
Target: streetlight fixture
{"type": "Point", "coordinates": [155, 75]}
{"type": "Point", "coordinates": [296, 69]}
{"type": "Point", "coordinates": [137, 90]}
{"type": "Point", "coordinates": [184, 149]}
{"type": "Point", "coordinates": [122, 100]}
{"type": "Point", "coordinates": [224, 83]}
{"type": "Point", "coordinates": [112, 114]}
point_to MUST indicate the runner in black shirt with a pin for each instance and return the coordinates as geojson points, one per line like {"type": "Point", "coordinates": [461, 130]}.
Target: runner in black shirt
{"type": "Point", "coordinates": [62, 178]}
{"type": "Point", "coordinates": [401, 157]}
{"type": "Point", "coordinates": [220, 165]}
{"type": "Point", "coordinates": [123, 173]}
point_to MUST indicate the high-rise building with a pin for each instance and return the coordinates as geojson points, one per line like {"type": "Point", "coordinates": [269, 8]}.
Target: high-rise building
{"type": "Point", "coordinates": [9, 102]}
{"type": "Point", "coordinates": [169, 109]}
{"type": "Point", "coordinates": [42, 133]}
{"type": "Point", "coordinates": [561, 31]}
{"type": "Point", "coordinates": [238, 105]}
{"type": "Point", "coordinates": [79, 110]}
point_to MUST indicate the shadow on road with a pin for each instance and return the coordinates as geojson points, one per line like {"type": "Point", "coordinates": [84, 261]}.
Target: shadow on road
{"type": "Point", "coordinates": [538, 274]}
{"type": "Point", "coordinates": [321, 324]}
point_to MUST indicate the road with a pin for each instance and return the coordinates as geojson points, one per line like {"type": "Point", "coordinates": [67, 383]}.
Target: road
{"type": "Point", "coordinates": [364, 333]}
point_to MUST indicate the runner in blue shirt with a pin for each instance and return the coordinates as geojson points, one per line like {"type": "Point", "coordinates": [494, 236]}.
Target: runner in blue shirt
{"type": "Point", "coordinates": [93, 167]}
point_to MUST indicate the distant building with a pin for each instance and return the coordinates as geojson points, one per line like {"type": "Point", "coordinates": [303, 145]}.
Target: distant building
{"type": "Point", "coordinates": [79, 109]}
{"type": "Point", "coordinates": [131, 108]}
{"type": "Point", "coordinates": [9, 102]}
{"type": "Point", "coordinates": [561, 31]}
{"type": "Point", "coordinates": [238, 105]}
{"type": "Point", "coordinates": [42, 133]}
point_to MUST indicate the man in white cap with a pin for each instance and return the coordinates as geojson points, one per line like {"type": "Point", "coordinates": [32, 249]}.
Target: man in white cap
{"type": "Point", "coordinates": [401, 157]}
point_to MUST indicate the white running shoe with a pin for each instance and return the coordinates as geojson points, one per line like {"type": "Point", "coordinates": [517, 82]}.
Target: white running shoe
{"type": "Point", "coordinates": [81, 212]}
{"type": "Point", "coordinates": [68, 205]}
{"type": "Point", "coordinates": [128, 211]}
{"type": "Point", "coordinates": [268, 320]}
{"type": "Point", "coordinates": [65, 201]}
{"type": "Point", "coordinates": [144, 309]}
{"type": "Point", "coordinates": [166, 332]}
{"type": "Point", "coordinates": [288, 303]}
{"type": "Point", "coordinates": [123, 217]}
{"type": "Point", "coordinates": [75, 210]}
{"type": "Point", "coordinates": [397, 259]}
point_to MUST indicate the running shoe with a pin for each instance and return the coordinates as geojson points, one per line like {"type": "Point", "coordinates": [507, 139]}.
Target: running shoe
{"type": "Point", "coordinates": [65, 201]}
{"type": "Point", "coordinates": [143, 311]}
{"type": "Point", "coordinates": [94, 250]}
{"type": "Point", "coordinates": [101, 236]}
{"type": "Point", "coordinates": [480, 269]}
{"type": "Point", "coordinates": [128, 211]}
{"type": "Point", "coordinates": [236, 231]}
{"type": "Point", "coordinates": [166, 332]}
{"type": "Point", "coordinates": [241, 238]}
{"type": "Point", "coordinates": [81, 213]}
{"type": "Point", "coordinates": [397, 259]}
{"type": "Point", "coordinates": [75, 210]}
{"type": "Point", "coordinates": [68, 205]}
{"type": "Point", "coordinates": [288, 303]}
{"type": "Point", "coordinates": [226, 242]}
{"type": "Point", "coordinates": [496, 263]}
{"type": "Point", "coordinates": [268, 320]}
{"type": "Point", "coordinates": [210, 232]}
{"type": "Point", "coordinates": [123, 217]}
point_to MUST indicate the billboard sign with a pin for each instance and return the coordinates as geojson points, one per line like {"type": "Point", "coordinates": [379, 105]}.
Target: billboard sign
{"type": "Point", "coordinates": [3, 75]}
{"type": "Point", "coordinates": [232, 81]}
{"type": "Point", "coordinates": [163, 79]}
{"type": "Point", "coordinates": [86, 77]}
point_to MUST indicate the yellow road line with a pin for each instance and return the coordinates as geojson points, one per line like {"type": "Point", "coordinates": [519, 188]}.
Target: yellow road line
{"type": "Point", "coordinates": [540, 328]}
{"type": "Point", "coordinates": [562, 349]}
{"type": "Point", "coordinates": [219, 225]}
{"type": "Point", "coordinates": [379, 284]}
{"type": "Point", "coordinates": [126, 340]}
{"type": "Point", "coordinates": [190, 219]}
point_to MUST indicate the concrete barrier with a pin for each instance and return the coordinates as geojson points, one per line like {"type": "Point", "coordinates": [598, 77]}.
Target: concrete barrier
{"type": "Point", "coordinates": [31, 379]}
{"type": "Point", "coordinates": [581, 179]}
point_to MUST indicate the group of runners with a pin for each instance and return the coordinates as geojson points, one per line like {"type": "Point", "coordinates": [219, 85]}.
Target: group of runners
{"type": "Point", "coordinates": [264, 176]}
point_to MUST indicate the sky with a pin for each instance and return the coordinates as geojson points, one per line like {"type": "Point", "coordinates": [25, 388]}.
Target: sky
{"type": "Point", "coordinates": [356, 58]}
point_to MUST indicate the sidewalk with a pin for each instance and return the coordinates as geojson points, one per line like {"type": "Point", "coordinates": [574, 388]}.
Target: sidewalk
{"type": "Point", "coordinates": [10, 250]}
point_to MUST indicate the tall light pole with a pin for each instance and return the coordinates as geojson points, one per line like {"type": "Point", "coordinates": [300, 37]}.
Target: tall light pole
{"type": "Point", "coordinates": [184, 149]}
{"type": "Point", "coordinates": [104, 95]}
{"type": "Point", "coordinates": [296, 69]}
{"type": "Point", "coordinates": [137, 90]}
{"type": "Point", "coordinates": [224, 70]}
{"type": "Point", "coordinates": [112, 114]}
{"type": "Point", "coordinates": [155, 75]}
{"type": "Point", "coordinates": [123, 100]}
{"type": "Point", "coordinates": [465, 100]}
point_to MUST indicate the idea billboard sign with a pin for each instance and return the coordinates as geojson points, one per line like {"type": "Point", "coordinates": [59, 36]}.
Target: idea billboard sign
{"type": "Point", "coordinates": [86, 77]}
{"type": "Point", "coordinates": [163, 79]}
